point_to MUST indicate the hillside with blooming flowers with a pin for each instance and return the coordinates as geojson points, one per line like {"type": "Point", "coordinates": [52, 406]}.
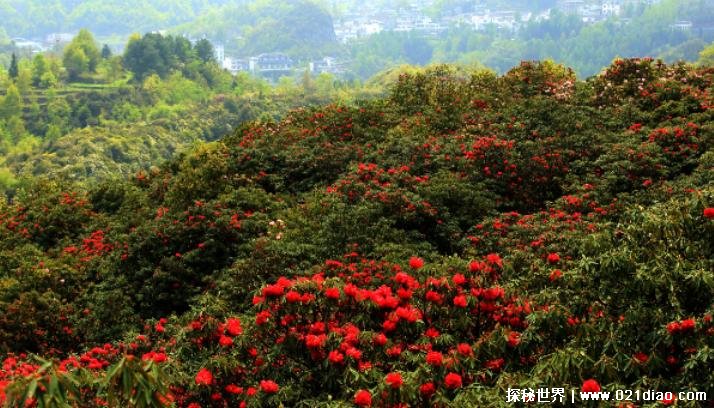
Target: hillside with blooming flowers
{"type": "Point", "coordinates": [466, 234]}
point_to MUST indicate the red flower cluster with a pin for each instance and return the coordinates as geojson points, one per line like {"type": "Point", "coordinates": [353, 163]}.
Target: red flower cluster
{"type": "Point", "coordinates": [590, 385]}
{"type": "Point", "coordinates": [682, 326]}
{"type": "Point", "coordinates": [709, 213]}
{"type": "Point", "coordinates": [452, 381]}
{"type": "Point", "coordinates": [394, 380]}
{"type": "Point", "coordinates": [269, 386]}
{"type": "Point", "coordinates": [363, 398]}
{"type": "Point", "coordinates": [416, 263]}
{"type": "Point", "coordinates": [204, 377]}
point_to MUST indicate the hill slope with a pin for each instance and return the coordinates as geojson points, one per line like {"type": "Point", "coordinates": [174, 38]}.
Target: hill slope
{"type": "Point", "coordinates": [465, 235]}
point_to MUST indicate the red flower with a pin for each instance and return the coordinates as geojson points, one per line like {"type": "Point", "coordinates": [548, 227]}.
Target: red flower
{"type": "Point", "coordinates": [556, 274]}
{"type": "Point", "coordinates": [475, 266]}
{"type": "Point", "coordinates": [363, 398]}
{"type": "Point", "coordinates": [514, 338]}
{"type": "Point", "coordinates": [641, 357]}
{"type": "Point", "coordinates": [553, 258]}
{"type": "Point", "coordinates": [394, 380]}
{"type": "Point", "coordinates": [336, 357]}
{"type": "Point", "coordinates": [204, 377]}
{"type": "Point", "coordinates": [332, 293]}
{"type": "Point", "coordinates": [673, 327]}
{"type": "Point", "coordinates": [273, 290]}
{"type": "Point", "coordinates": [292, 296]}
{"type": "Point", "coordinates": [394, 351]}
{"type": "Point", "coordinates": [427, 389]}
{"type": "Point", "coordinates": [315, 341]}
{"type": "Point", "coordinates": [431, 333]}
{"type": "Point", "coordinates": [591, 386]}
{"type": "Point", "coordinates": [432, 296]}
{"type": "Point", "coordinates": [380, 339]}
{"type": "Point", "coordinates": [225, 341]}
{"type": "Point", "coordinates": [354, 353]}
{"type": "Point", "coordinates": [155, 357]}
{"type": "Point", "coordinates": [233, 327]}
{"type": "Point", "coordinates": [495, 365]}
{"type": "Point", "coordinates": [416, 263]}
{"type": "Point", "coordinates": [269, 386]}
{"type": "Point", "coordinates": [686, 325]}
{"type": "Point", "coordinates": [709, 213]}
{"type": "Point", "coordinates": [493, 293]}
{"type": "Point", "coordinates": [460, 301]}
{"type": "Point", "coordinates": [234, 389]}
{"type": "Point", "coordinates": [459, 279]}
{"type": "Point", "coordinates": [262, 317]}
{"type": "Point", "coordinates": [434, 358]}
{"type": "Point", "coordinates": [452, 381]}
{"type": "Point", "coordinates": [494, 259]}
{"type": "Point", "coordinates": [465, 349]}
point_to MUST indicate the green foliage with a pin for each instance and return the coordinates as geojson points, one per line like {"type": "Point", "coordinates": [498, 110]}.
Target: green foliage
{"type": "Point", "coordinates": [706, 56]}
{"type": "Point", "coordinates": [81, 56]}
{"type": "Point", "coordinates": [40, 71]}
{"type": "Point", "coordinates": [11, 103]}
{"type": "Point", "coordinates": [106, 52]}
{"type": "Point", "coordinates": [204, 51]}
{"type": "Point", "coordinates": [156, 54]}
{"type": "Point", "coordinates": [13, 71]}
{"type": "Point", "coordinates": [128, 382]}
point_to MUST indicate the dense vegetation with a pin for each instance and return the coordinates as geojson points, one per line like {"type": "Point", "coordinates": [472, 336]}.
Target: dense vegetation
{"type": "Point", "coordinates": [465, 234]}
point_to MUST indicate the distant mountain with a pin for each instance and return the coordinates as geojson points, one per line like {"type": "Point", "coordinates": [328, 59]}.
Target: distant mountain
{"type": "Point", "coordinates": [298, 27]}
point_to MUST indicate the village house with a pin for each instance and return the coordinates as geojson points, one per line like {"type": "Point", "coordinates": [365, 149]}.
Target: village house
{"type": "Point", "coordinates": [682, 25]}
{"type": "Point", "coordinates": [329, 65]}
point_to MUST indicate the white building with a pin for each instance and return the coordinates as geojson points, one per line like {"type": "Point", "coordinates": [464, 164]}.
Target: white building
{"type": "Point", "coordinates": [682, 25]}
{"type": "Point", "coordinates": [28, 45]}
{"type": "Point", "coordinates": [59, 38]}
{"type": "Point", "coordinates": [219, 51]}
{"type": "Point", "coordinates": [501, 19]}
{"type": "Point", "coordinates": [328, 65]}
{"type": "Point", "coordinates": [353, 29]}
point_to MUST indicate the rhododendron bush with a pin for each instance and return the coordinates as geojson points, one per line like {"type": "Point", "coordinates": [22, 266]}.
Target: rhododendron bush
{"type": "Point", "coordinates": [461, 236]}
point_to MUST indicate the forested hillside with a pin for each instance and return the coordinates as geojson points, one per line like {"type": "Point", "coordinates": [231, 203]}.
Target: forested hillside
{"type": "Point", "coordinates": [465, 234]}
{"type": "Point", "coordinates": [87, 114]}
{"type": "Point", "coordinates": [563, 37]}
{"type": "Point", "coordinates": [300, 28]}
